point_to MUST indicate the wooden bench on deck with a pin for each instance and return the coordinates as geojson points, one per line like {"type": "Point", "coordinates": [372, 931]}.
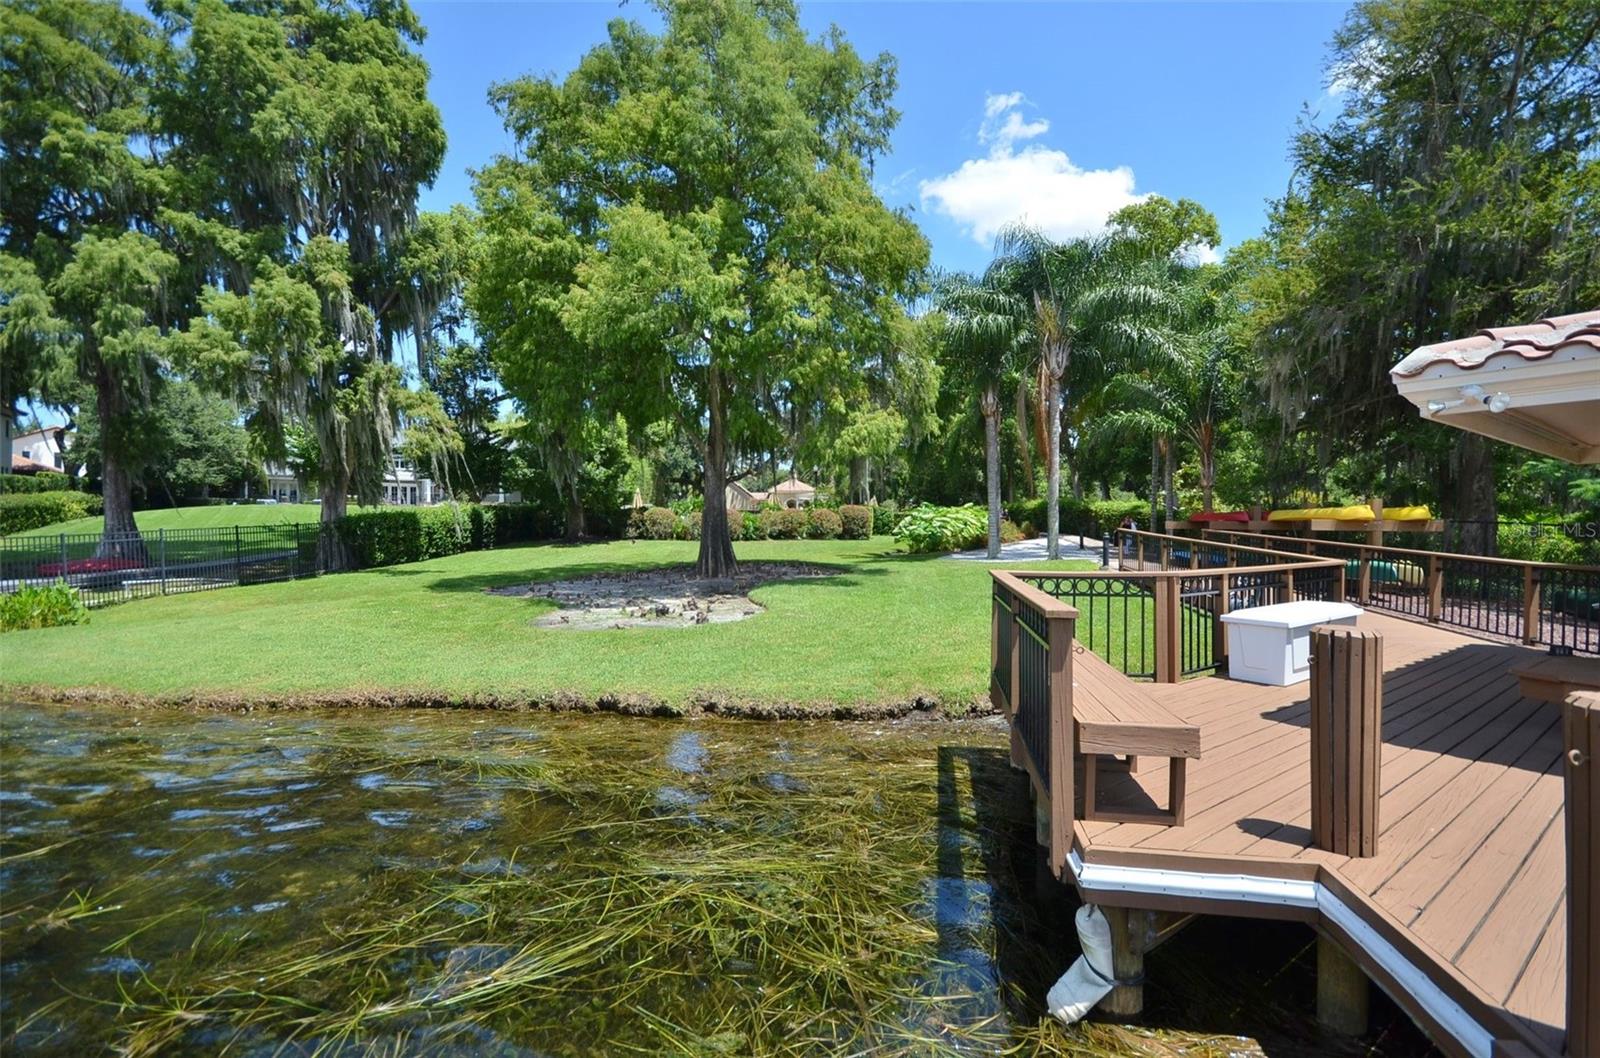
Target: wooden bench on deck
{"type": "Point", "coordinates": [1115, 717]}
{"type": "Point", "coordinates": [1551, 679]}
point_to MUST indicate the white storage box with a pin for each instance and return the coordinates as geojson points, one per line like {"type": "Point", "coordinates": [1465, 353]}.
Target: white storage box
{"type": "Point", "coordinates": [1272, 644]}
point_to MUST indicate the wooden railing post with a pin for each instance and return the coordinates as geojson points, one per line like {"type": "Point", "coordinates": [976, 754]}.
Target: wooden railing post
{"type": "Point", "coordinates": [1364, 578]}
{"type": "Point", "coordinates": [1346, 723]}
{"type": "Point", "coordinates": [1288, 585]}
{"type": "Point", "coordinates": [1435, 588]}
{"type": "Point", "coordinates": [1530, 604]}
{"type": "Point", "coordinates": [1166, 555]}
{"type": "Point", "coordinates": [1581, 723]}
{"type": "Point", "coordinates": [1167, 615]}
{"type": "Point", "coordinates": [1062, 786]}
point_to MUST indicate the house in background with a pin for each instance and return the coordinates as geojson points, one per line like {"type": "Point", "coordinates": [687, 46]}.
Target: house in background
{"type": "Point", "coordinates": [739, 498]}
{"type": "Point", "coordinates": [42, 449]}
{"type": "Point", "coordinates": [403, 485]}
{"type": "Point", "coordinates": [791, 493]}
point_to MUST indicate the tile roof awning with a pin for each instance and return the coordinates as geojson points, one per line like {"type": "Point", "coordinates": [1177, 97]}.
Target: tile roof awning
{"type": "Point", "coordinates": [1537, 385]}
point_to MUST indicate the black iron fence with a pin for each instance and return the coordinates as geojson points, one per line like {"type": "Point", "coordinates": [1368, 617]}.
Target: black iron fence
{"type": "Point", "coordinates": [115, 567]}
{"type": "Point", "coordinates": [1537, 603]}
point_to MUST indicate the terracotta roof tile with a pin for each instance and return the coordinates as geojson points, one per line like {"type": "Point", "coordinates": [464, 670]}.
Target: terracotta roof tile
{"type": "Point", "coordinates": [1531, 341]}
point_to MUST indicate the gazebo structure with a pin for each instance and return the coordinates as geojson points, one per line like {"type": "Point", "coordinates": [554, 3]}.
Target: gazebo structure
{"type": "Point", "coordinates": [1536, 386]}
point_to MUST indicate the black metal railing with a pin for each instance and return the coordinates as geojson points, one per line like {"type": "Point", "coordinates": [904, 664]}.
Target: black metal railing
{"type": "Point", "coordinates": [1000, 653]}
{"type": "Point", "coordinates": [115, 567]}
{"type": "Point", "coordinates": [1538, 603]}
{"type": "Point", "coordinates": [1033, 687]}
{"type": "Point", "coordinates": [1116, 617]}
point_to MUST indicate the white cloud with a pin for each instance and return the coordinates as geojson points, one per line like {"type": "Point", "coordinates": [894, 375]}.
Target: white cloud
{"type": "Point", "coordinates": [1036, 184]}
{"type": "Point", "coordinates": [1201, 254]}
{"type": "Point", "coordinates": [995, 104]}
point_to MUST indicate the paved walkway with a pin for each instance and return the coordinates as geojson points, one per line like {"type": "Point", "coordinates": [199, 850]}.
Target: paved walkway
{"type": "Point", "coordinates": [1034, 551]}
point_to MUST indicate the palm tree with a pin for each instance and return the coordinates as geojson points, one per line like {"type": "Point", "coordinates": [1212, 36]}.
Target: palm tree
{"type": "Point", "coordinates": [984, 323]}
{"type": "Point", "coordinates": [1185, 397]}
{"type": "Point", "coordinates": [1094, 303]}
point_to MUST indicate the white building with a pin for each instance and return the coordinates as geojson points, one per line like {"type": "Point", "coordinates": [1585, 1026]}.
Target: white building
{"type": "Point", "coordinates": [43, 449]}
{"type": "Point", "coordinates": [403, 485]}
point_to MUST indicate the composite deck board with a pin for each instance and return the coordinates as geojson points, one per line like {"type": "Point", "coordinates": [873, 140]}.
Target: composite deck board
{"type": "Point", "coordinates": [1470, 860]}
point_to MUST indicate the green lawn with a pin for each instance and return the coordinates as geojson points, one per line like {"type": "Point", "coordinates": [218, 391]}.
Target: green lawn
{"type": "Point", "coordinates": [888, 629]}
{"type": "Point", "coordinates": [216, 517]}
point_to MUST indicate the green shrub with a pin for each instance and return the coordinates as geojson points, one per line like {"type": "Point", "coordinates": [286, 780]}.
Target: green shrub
{"type": "Point", "coordinates": [515, 523]}
{"type": "Point", "coordinates": [823, 524]}
{"type": "Point", "coordinates": [1077, 516]}
{"type": "Point", "coordinates": [384, 537]}
{"type": "Point", "coordinates": [21, 511]}
{"type": "Point", "coordinates": [1109, 514]}
{"type": "Point", "coordinates": [448, 530]}
{"type": "Point", "coordinates": [653, 523]}
{"type": "Point", "coordinates": [792, 522]}
{"type": "Point", "coordinates": [689, 525]}
{"type": "Point", "coordinates": [753, 529]}
{"type": "Point", "coordinates": [929, 529]}
{"type": "Point", "coordinates": [1009, 533]}
{"type": "Point", "coordinates": [43, 481]}
{"type": "Point", "coordinates": [886, 517]}
{"type": "Point", "coordinates": [855, 522]}
{"type": "Point", "coordinates": [46, 607]}
{"type": "Point", "coordinates": [1540, 544]}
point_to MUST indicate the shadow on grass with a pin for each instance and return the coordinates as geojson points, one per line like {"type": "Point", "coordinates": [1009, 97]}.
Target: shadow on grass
{"type": "Point", "coordinates": [845, 575]}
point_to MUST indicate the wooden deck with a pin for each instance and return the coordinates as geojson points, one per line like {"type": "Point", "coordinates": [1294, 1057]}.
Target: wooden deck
{"type": "Point", "coordinates": [1467, 887]}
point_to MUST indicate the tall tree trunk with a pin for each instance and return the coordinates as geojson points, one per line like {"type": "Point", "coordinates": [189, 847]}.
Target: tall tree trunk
{"type": "Point", "coordinates": [120, 536]}
{"type": "Point", "coordinates": [1052, 512]}
{"type": "Point", "coordinates": [1475, 504]}
{"type": "Point", "coordinates": [989, 405]}
{"type": "Point", "coordinates": [332, 555]}
{"type": "Point", "coordinates": [1069, 452]}
{"type": "Point", "coordinates": [1041, 417]}
{"type": "Point", "coordinates": [716, 561]}
{"type": "Point", "coordinates": [858, 479]}
{"type": "Point", "coordinates": [1167, 475]}
{"type": "Point", "coordinates": [1208, 465]}
{"type": "Point", "coordinates": [1155, 480]}
{"type": "Point", "coordinates": [1024, 447]}
{"type": "Point", "coordinates": [575, 520]}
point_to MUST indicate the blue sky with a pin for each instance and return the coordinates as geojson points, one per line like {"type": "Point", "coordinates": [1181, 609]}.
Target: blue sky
{"type": "Point", "coordinates": [1056, 111]}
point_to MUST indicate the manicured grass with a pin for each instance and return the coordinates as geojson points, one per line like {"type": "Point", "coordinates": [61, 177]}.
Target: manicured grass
{"type": "Point", "coordinates": [214, 517]}
{"type": "Point", "coordinates": [888, 630]}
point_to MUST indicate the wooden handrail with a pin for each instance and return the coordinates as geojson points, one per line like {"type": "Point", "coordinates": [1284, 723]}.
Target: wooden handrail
{"type": "Point", "coordinates": [1386, 549]}
{"type": "Point", "coordinates": [1144, 533]}
{"type": "Point", "coordinates": [1047, 604]}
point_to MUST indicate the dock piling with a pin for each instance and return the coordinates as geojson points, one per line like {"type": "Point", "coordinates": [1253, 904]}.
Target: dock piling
{"type": "Point", "coordinates": [1343, 992]}
{"type": "Point", "coordinates": [1132, 934]}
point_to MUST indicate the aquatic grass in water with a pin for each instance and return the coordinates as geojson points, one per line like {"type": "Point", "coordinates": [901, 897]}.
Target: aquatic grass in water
{"type": "Point", "coordinates": [491, 884]}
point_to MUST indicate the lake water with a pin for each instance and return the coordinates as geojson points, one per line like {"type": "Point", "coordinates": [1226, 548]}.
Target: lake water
{"type": "Point", "coordinates": [493, 884]}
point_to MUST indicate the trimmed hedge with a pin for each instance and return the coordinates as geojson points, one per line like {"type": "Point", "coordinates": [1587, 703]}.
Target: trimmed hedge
{"type": "Point", "coordinates": [393, 535]}
{"type": "Point", "coordinates": [855, 522]}
{"type": "Point", "coordinates": [43, 481]}
{"type": "Point", "coordinates": [1090, 517]}
{"type": "Point", "coordinates": [21, 511]}
{"type": "Point", "coordinates": [823, 524]}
